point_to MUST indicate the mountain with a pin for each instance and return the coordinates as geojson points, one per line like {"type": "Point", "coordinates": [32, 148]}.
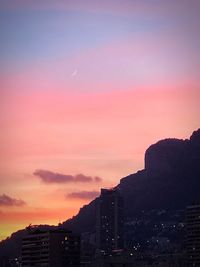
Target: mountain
{"type": "Point", "coordinates": [170, 180]}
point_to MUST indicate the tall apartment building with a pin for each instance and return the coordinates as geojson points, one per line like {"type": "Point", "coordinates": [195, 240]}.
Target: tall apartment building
{"type": "Point", "coordinates": [109, 220]}
{"type": "Point", "coordinates": [193, 235]}
{"type": "Point", "coordinates": [52, 248]}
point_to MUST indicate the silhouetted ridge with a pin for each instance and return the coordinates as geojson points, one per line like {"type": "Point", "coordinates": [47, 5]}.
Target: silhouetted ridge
{"type": "Point", "coordinates": [195, 137]}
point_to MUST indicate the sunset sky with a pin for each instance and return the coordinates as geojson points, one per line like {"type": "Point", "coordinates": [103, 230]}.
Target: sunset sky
{"type": "Point", "coordinates": [86, 87]}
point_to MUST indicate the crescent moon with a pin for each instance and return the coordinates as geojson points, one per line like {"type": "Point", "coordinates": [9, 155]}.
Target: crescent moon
{"type": "Point", "coordinates": [74, 73]}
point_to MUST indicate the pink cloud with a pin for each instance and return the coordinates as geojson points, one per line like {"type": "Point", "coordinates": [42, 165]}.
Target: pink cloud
{"type": "Point", "coordinates": [83, 195]}
{"type": "Point", "coordinates": [8, 201]}
{"type": "Point", "coordinates": [52, 177]}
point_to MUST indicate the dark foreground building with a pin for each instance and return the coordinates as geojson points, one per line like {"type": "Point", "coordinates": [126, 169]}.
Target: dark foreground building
{"type": "Point", "coordinates": [109, 223]}
{"type": "Point", "coordinates": [52, 248]}
{"type": "Point", "coordinates": [193, 235]}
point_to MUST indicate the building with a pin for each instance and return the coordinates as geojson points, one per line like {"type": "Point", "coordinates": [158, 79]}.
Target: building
{"type": "Point", "coordinates": [109, 220]}
{"type": "Point", "coordinates": [50, 248]}
{"type": "Point", "coordinates": [193, 235]}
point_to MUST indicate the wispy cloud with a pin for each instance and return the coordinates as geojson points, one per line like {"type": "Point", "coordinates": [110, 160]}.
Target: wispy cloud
{"type": "Point", "coordinates": [83, 195]}
{"type": "Point", "coordinates": [54, 177]}
{"type": "Point", "coordinates": [6, 200]}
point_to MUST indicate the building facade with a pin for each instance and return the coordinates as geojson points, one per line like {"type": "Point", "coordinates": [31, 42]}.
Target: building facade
{"type": "Point", "coordinates": [193, 235]}
{"type": "Point", "coordinates": [110, 220]}
{"type": "Point", "coordinates": [50, 248]}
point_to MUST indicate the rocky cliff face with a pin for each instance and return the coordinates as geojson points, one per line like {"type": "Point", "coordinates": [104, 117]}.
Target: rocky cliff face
{"type": "Point", "coordinates": [170, 180]}
{"type": "Point", "coordinates": [165, 155]}
{"type": "Point", "coordinates": [169, 155]}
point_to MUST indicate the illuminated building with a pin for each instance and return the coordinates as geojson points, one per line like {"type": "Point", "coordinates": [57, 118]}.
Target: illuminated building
{"type": "Point", "coordinates": [109, 224]}
{"type": "Point", "coordinates": [193, 235]}
{"type": "Point", "coordinates": [50, 248]}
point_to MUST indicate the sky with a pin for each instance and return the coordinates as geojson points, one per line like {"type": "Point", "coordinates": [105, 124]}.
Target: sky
{"type": "Point", "coordinates": [86, 87]}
